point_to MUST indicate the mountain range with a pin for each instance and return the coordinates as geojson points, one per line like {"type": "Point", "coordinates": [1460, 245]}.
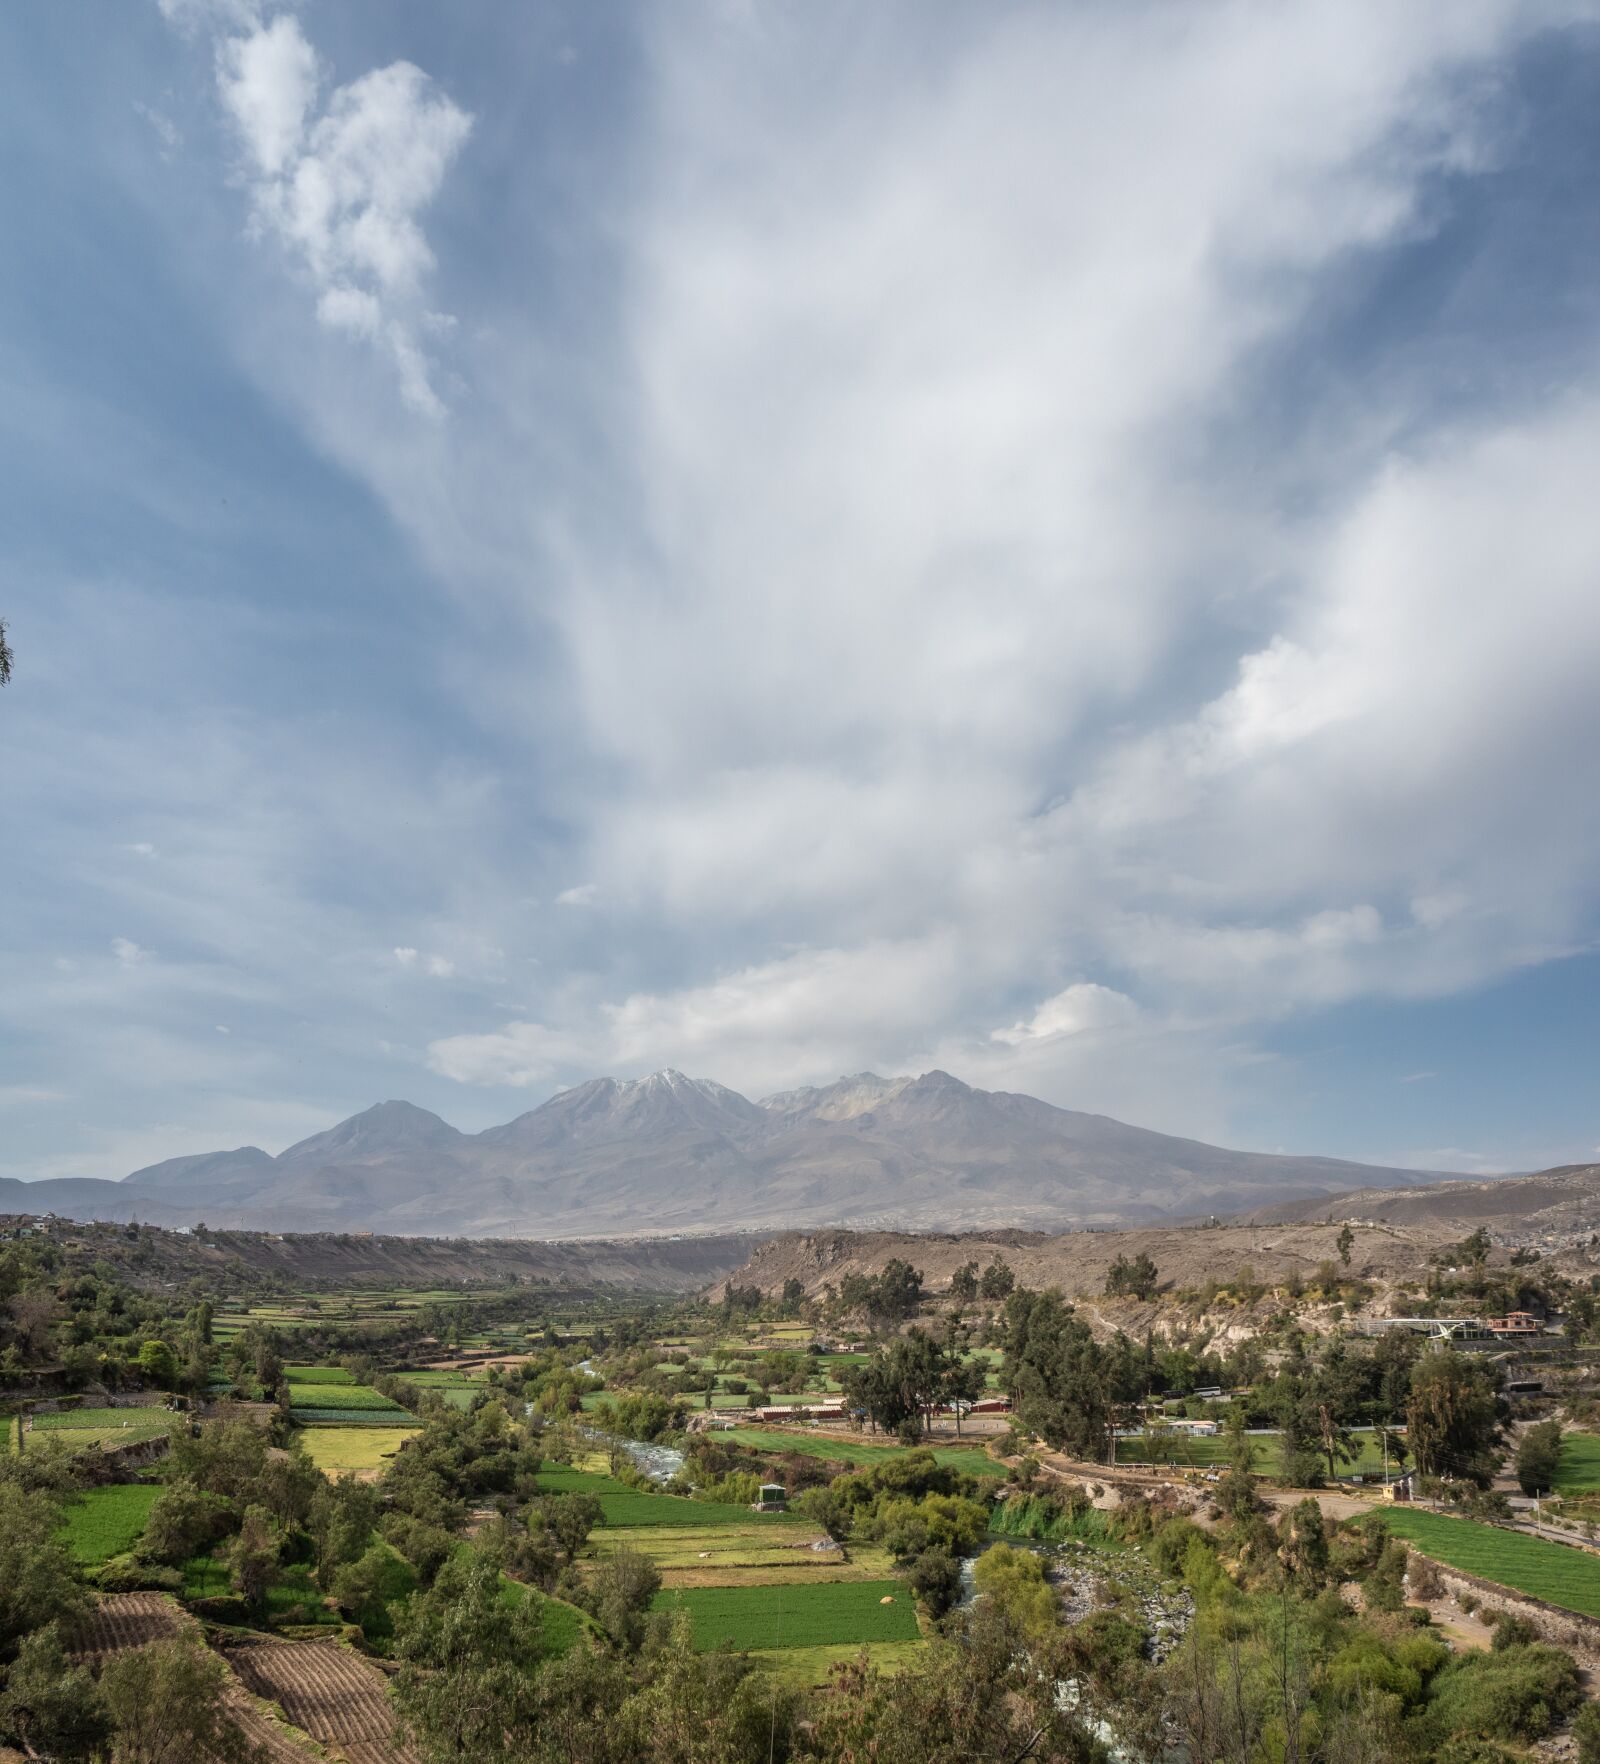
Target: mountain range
{"type": "Point", "coordinates": [674, 1154]}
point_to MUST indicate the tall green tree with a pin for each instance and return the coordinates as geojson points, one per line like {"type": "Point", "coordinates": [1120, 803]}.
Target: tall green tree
{"type": "Point", "coordinates": [168, 1705]}
{"type": "Point", "coordinates": [1065, 1385]}
{"type": "Point", "coordinates": [1453, 1418]}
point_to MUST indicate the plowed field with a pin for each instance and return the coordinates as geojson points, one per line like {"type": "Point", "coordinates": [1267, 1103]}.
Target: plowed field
{"type": "Point", "coordinates": [130, 1620]}
{"type": "Point", "coordinates": [335, 1695]}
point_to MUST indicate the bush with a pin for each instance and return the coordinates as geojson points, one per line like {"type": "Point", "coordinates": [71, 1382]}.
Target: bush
{"type": "Point", "coordinates": [130, 1573]}
{"type": "Point", "coordinates": [1586, 1731]}
{"type": "Point", "coordinates": [1516, 1693]}
{"type": "Point", "coordinates": [935, 1577]}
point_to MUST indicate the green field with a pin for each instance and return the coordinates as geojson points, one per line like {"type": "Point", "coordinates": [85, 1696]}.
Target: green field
{"type": "Point", "coordinates": [622, 1507]}
{"type": "Point", "coordinates": [80, 1420]}
{"type": "Point", "coordinates": [335, 1450]}
{"type": "Point", "coordinates": [1550, 1571]}
{"type": "Point", "coordinates": [795, 1615]}
{"type": "Point", "coordinates": [317, 1375]}
{"type": "Point", "coordinates": [969, 1460]}
{"type": "Point", "coordinates": [1579, 1469]}
{"type": "Point", "coordinates": [340, 1396]}
{"type": "Point", "coordinates": [105, 1522]}
{"type": "Point", "coordinates": [1211, 1452]}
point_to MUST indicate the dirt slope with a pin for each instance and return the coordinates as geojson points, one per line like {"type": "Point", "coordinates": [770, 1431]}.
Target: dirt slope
{"type": "Point", "coordinates": [1185, 1256]}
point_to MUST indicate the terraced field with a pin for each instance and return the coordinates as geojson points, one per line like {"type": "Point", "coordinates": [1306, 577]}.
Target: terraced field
{"type": "Point", "coordinates": [361, 1448]}
{"type": "Point", "coordinates": [795, 1615]}
{"type": "Point", "coordinates": [83, 1427]}
{"type": "Point", "coordinates": [105, 1522]}
{"type": "Point", "coordinates": [622, 1507]}
{"type": "Point", "coordinates": [1556, 1573]}
{"type": "Point", "coordinates": [130, 1620]}
{"type": "Point", "coordinates": [1578, 1472]}
{"type": "Point", "coordinates": [969, 1460]}
{"type": "Point", "coordinates": [329, 1691]}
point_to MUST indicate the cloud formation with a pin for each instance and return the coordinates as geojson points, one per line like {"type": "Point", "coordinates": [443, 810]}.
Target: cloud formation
{"type": "Point", "coordinates": [341, 184]}
{"type": "Point", "coordinates": [1049, 542]}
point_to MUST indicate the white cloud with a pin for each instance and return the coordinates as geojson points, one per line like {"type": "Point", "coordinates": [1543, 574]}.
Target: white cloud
{"type": "Point", "coordinates": [141, 848]}
{"type": "Point", "coordinates": [440, 968]}
{"type": "Point", "coordinates": [405, 956]}
{"type": "Point", "coordinates": [942, 582]}
{"type": "Point", "coordinates": [583, 894]}
{"type": "Point", "coordinates": [268, 82]}
{"type": "Point", "coordinates": [343, 188]}
{"type": "Point", "coordinates": [128, 953]}
{"type": "Point", "coordinates": [1078, 1010]}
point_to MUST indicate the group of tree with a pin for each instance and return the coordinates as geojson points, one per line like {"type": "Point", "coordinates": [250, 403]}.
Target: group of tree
{"type": "Point", "coordinates": [993, 1284]}
{"type": "Point", "coordinates": [1135, 1277]}
{"type": "Point", "coordinates": [900, 1388]}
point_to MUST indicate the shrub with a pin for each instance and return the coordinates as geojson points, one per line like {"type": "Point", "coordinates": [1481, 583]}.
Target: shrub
{"type": "Point", "coordinates": [1424, 1579]}
{"type": "Point", "coordinates": [1516, 1693]}
{"type": "Point", "coordinates": [935, 1577]}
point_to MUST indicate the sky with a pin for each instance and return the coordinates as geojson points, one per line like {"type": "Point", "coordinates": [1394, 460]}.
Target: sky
{"type": "Point", "coordinates": [1053, 542]}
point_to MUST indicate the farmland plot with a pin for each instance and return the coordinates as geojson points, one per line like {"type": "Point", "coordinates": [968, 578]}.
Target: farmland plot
{"type": "Point", "coordinates": [1560, 1574]}
{"type": "Point", "coordinates": [103, 1522]}
{"type": "Point", "coordinates": [795, 1615]}
{"type": "Point", "coordinates": [335, 1695]}
{"type": "Point", "coordinates": [133, 1620]}
{"type": "Point", "coordinates": [130, 1620]}
{"type": "Point", "coordinates": [361, 1449]}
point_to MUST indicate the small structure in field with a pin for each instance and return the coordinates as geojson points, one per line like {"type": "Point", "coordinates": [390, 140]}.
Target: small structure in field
{"type": "Point", "coordinates": [774, 1498]}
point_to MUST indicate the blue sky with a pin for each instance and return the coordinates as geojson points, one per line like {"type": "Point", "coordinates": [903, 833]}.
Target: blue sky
{"type": "Point", "coordinates": [1052, 542]}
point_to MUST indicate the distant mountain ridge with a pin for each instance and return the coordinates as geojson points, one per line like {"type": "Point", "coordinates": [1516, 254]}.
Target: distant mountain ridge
{"type": "Point", "coordinates": [668, 1153]}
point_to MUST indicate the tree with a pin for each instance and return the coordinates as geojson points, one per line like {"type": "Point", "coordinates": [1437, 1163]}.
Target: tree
{"type": "Point", "coordinates": [53, 1707]}
{"type": "Point", "coordinates": [1538, 1457]}
{"type": "Point", "coordinates": [794, 1293]}
{"type": "Point", "coordinates": [998, 1281]}
{"type": "Point", "coordinates": [1453, 1418]}
{"type": "Point", "coordinates": [569, 1519]}
{"type": "Point", "coordinates": [898, 1293]}
{"type": "Point", "coordinates": [935, 1577]}
{"type": "Point", "coordinates": [158, 1365]}
{"type": "Point", "coordinates": [1346, 1242]}
{"type": "Point", "coordinates": [39, 1581]}
{"type": "Point", "coordinates": [964, 1283]}
{"type": "Point", "coordinates": [5, 656]}
{"type": "Point", "coordinates": [168, 1705]}
{"type": "Point", "coordinates": [618, 1595]}
{"type": "Point", "coordinates": [1064, 1384]}
{"type": "Point", "coordinates": [253, 1558]}
{"type": "Point", "coordinates": [184, 1521]}
{"type": "Point", "coordinates": [1135, 1278]}
{"type": "Point", "coordinates": [469, 1662]}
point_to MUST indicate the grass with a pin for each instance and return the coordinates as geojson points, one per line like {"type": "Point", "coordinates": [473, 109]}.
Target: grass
{"type": "Point", "coordinates": [1553, 1572]}
{"type": "Point", "coordinates": [341, 1396]}
{"type": "Point", "coordinates": [809, 1667]}
{"type": "Point", "coordinates": [770, 1617]}
{"type": "Point", "coordinates": [1212, 1452]}
{"type": "Point", "coordinates": [969, 1460]}
{"type": "Point", "coordinates": [1578, 1472]}
{"type": "Point", "coordinates": [335, 1450]}
{"type": "Point", "coordinates": [105, 1522]}
{"type": "Point", "coordinates": [150, 1420]}
{"type": "Point", "coordinates": [622, 1507]}
{"type": "Point", "coordinates": [317, 1375]}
